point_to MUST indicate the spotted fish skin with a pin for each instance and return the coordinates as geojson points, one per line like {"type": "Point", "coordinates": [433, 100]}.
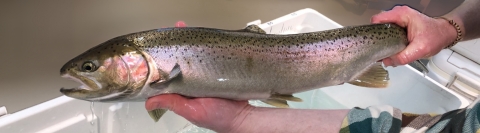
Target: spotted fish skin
{"type": "Point", "coordinates": [248, 64]}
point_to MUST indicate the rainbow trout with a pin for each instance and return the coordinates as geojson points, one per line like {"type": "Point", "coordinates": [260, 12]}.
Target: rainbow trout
{"type": "Point", "coordinates": [244, 64]}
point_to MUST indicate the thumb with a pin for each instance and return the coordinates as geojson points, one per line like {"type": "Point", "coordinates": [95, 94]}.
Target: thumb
{"type": "Point", "coordinates": [396, 15]}
{"type": "Point", "coordinates": [387, 61]}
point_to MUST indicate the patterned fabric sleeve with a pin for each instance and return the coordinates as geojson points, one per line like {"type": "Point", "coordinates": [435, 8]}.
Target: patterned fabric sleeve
{"type": "Point", "coordinates": [387, 119]}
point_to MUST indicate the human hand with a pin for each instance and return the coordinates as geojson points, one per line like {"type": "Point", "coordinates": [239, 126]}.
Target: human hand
{"type": "Point", "coordinates": [217, 114]}
{"type": "Point", "coordinates": [427, 36]}
{"type": "Point", "coordinates": [222, 115]}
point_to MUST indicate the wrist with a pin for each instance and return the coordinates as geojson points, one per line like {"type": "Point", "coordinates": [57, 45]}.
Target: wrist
{"type": "Point", "coordinates": [242, 121]}
{"type": "Point", "coordinates": [453, 31]}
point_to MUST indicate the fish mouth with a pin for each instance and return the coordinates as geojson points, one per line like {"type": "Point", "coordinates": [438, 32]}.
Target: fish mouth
{"type": "Point", "coordinates": [91, 90]}
{"type": "Point", "coordinates": [86, 91]}
{"type": "Point", "coordinates": [86, 84]}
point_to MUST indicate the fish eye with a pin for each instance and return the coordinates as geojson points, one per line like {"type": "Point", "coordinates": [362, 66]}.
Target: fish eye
{"type": "Point", "coordinates": [88, 66]}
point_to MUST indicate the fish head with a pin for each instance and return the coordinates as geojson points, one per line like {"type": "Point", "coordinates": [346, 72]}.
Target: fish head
{"type": "Point", "coordinates": [111, 71]}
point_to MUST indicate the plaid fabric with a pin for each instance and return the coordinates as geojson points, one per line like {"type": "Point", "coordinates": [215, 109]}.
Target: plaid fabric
{"type": "Point", "coordinates": [387, 119]}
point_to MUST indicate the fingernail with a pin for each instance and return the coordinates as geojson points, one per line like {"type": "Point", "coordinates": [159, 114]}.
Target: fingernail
{"type": "Point", "coordinates": [180, 24]}
{"type": "Point", "coordinates": [155, 106]}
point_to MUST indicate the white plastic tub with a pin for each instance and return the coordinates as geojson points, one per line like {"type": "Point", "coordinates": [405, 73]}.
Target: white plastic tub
{"type": "Point", "coordinates": [408, 90]}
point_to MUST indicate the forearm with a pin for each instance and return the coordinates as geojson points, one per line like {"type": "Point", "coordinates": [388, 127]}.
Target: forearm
{"type": "Point", "coordinates": [467, 15]}
{"type": "Point", "coordinates": [290, 120]}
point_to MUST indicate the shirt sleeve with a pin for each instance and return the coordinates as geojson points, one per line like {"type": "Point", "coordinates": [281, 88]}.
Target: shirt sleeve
{"type": "Point", "coordinates": [388, 119]}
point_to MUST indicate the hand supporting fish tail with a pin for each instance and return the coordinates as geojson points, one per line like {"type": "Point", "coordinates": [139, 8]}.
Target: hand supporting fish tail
{"type": "Point", "coordinates": [427, 35]}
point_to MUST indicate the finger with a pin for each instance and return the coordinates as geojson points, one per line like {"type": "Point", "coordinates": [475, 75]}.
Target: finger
{"type": "Point", "coordinates": [178, 104]}
{"type": "Point", "coordinates": [387, 62]}
{"type": "Point", "coordinates": [180, 24]}
{"type": "Point", "coordinates": [396, 15]}
{"type": "Point", "coordinates": [166, 101]}
{"type": "Point", "coordinates": [409, 54]}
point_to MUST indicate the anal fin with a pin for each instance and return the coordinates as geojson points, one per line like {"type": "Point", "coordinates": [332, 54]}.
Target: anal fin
{"type": "Point", "coordinates": [280, 100]}
{"type": "Point", "coordinates": [375, 77]}
{"type": "Point", "coordinates": [276, 103]}
{"type": "Point", "coordinates": [288, 97]}
{"type": "Point", "coordinates": [156, 114]}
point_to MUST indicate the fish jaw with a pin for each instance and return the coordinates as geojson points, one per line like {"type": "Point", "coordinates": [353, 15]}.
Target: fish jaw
{"type": "Point", "coordinates": [89, 90]}
{"type": "Point", "coordinates": [81, 92]}
{"type": "Point", "coordinates": [87, 84]}
{"type": "Point", "coordinates": [102, 95]}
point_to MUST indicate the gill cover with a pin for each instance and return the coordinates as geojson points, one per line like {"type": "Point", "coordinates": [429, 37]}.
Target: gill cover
{"type": "Point", "coordinates": [120, 72]}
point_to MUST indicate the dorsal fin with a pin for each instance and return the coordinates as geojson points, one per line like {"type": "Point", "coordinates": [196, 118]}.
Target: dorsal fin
{"type": "Point", "coordinates": [255, 29]}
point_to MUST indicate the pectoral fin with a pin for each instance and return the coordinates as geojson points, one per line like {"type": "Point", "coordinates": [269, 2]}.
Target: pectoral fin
{"type": "Point", "coordinates": [165, 78]}
{"type": "Point", "coordinates": [375, 77]}
{"type": "Point", "coordinates": [156, 114]}
{"type": "Point", "coordinates": [175, 71]}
